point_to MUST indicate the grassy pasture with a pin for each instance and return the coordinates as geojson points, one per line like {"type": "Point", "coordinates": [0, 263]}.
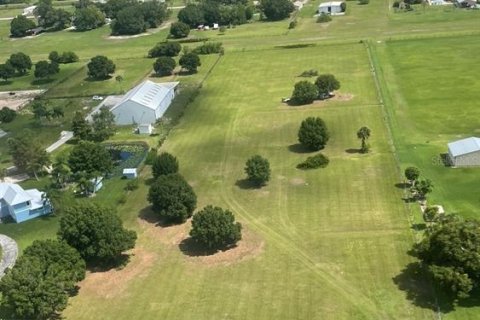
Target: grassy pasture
{"type": "Point", "coordinates": [331, 248]}
{"type": "Point", "coordinates": [434, 100]}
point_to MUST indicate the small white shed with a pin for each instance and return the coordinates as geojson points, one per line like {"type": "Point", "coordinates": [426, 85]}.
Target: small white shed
{"type": "Point", "coordinates": [464, 152]}
{"type": "Point", "coordinates": [333, 8]}
{"type": "Point", "coordinates": [130, 173]}
{"type": "Point", "coordinates": [145, 128]}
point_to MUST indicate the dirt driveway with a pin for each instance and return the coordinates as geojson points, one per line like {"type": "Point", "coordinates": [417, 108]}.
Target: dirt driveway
{"type": "Point", "coordinates": [19, 99]}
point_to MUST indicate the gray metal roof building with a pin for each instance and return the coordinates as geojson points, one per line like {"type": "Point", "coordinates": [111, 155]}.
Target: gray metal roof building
{"type": "Point", "coordinates": [465, 152]}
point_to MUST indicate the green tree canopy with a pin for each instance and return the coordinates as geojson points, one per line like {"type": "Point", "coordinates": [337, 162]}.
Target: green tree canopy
{"type": "Point", "coordinates": [27, 152]}
{"type": "Point", "coordinates": [7, 115]}
{"type": "Point", "coordinates": [192, 15]}
{"type": "Point", "coordinates": [45, 69]}
{"type": "Point", "coordinates": [88, 18]}
{"type": "Point", "coordinates": [103, 125]}
{"type": "Point", "coordinates": [450, 251]}
{"type": "Point", "coordinates": [326, 83]}
{"type": "Point", "coordinates": [80, 127]}
{"type": "Point", "coordinates": [6, 71]}
{"type": "Point", "coordinates": [215, 228]}
{"type": "Point", "coordinates": [364, 134]}
{"type": "Point", "coordinates": [90, 158]}
{"type": "Point", "coordinates": [179, 30]}
{"type": "Point", "coordinates": [257, 169]}
{"type": "Point", "coordinates": [21, 62]}
{"type": "Point", "coordinates": [190, 62]}
{"type": "Point", "coordinates": [96, 232]}
{"type": "Point", "coordinates": [169, 49]}
{"type": "Point", "coordinates": [304, 92]}
{"type": "Point", "coordinates": [154, 13]}
{"type": "Point", "coordinates": [100, 68]}
{"type": "Point", "coordinates": [313, 133]}
{"type": "Point", "coordinates": [422, 188]}
{"type": "Point", "coordinates": [172, 198]}
{"type": "Point", "coordinates": [164, 164]}
{"type": "Point", "coordinates": [20, 25]}
{"type": "Point", "coordinates": [275, 10]}
{"type": "Point", "coordinates": [39, 284]}
{"type": "Point", "coordinates": [164, 66]}
{"type": "Point", "coordinates": [129, 21]}
{"type": "Point", "coordinates": [412, 174]}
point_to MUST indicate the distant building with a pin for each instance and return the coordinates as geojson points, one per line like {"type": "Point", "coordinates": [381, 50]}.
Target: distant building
{"type": "Point", "coordinates": [22, 205]}
{"type": "Point", "coordinates": [96, 184]}
{"type": "Point", "coordinates": [145, 103]}
{"type": "Point", "coordinates": [130, 173]}
{"type": "Point", "coordinates": [465, 152]}
{"type": "Point", "coordinates": [332, 8]}
{"type": "Point", "coordinates": [28, 11]}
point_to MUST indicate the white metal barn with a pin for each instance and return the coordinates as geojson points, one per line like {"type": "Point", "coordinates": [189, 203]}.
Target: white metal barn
{"type": "Point", "coordinates": [465, 152]}
{"type": "Point", "coordinates": [333, 8]}
{"type": "Point", "coordinates": [145, 103]}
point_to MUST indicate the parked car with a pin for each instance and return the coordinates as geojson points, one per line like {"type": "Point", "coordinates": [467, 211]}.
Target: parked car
{"type": "Point", "coordinates": [97, 98]}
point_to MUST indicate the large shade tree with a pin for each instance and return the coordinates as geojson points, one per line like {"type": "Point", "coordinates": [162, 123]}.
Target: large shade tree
{"type": "Point", "coordinates": [90, 158]}
{"type": "Point", "coordinates": [28, 153]}
{"type": "Point", "coordinates": [96, 232]}
{"type": "Point", "coordinates": [313, 133]}
{"type": "Point", "coordinates": [215, 228]}
{"type": "Point", "coordinates": [257, 169]}
{"type": "Point", "coordinates": [100, 68]}
{"type": "Point", "coordinates": [20, 25]}
{"type": "Point", "coordinates": [172, 198]}
{"type": "Point", "coordinates": [276, 9]}
{"type": "Point", "coordinates": [164, 164]}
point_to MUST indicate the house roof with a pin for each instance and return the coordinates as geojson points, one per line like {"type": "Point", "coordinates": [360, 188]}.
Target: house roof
{"type": "Point", "coordinates": [129, 171]}
{"type": "Point", "coordinates": [330, 4]}
{"type": "Point", "coordinates": [149, 94]}
{"type": "Point", "coordinates": [14, 194]}
{"type": "Point", "coordinates": [464, 146]}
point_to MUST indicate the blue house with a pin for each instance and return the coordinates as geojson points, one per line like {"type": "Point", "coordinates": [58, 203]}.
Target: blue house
{"type": "Point", "coordinates": [22, 205]}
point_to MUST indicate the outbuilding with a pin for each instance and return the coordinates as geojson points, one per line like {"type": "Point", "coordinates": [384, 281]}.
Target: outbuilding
{"type": "Point", "coordinates": [145, 128]}
{"type": "Point", "coordinates": [145, 103]}
{"type": "Point", "coordinates": [464, 152]}
{"type": "Point", "coordinates": [130, 173]}
{"type": "Point", "coordinates": [333, 8]}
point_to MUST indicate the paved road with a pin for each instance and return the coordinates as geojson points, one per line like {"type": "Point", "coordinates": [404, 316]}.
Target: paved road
{"type": "Point", "coordinates": [67, 135]}
{"type": "Point", "coordinates": [9, 253]}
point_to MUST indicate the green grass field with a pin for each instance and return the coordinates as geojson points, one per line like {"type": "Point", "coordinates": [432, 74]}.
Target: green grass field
{"type": "Point", "coordinates": [333, 238]}
{"type": "Point", "coordinates": [323, 244]}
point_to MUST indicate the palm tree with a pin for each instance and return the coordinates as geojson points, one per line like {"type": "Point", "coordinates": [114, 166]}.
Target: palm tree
{"type": "Point", "coordinates": [364, 133]}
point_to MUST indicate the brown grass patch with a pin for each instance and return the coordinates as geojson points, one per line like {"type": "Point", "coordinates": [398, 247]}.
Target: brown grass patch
{"type": "Point", "coordinates": [109, 284]}
{"type": "Point", "coordinates": [176, 236]}
{"type": "Point", "coordinates": [297, 181]}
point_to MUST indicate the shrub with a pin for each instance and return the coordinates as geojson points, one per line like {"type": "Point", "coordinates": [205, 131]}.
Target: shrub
{"type": "Point", "coordinates": [323, 17]}
{"type": "Point", "coordinates": [172, 198]}
{"type": "Point", "coordinates": [257, 169]}
{"type": "Point", "coordinates": [132, 185]}
{"type": "Point", "coordinates": [190, 62]}
{"type": "Point", "coordinates": [222, 29]}
{"type": "Point", "coordinates": [100, 67]}
{"type": "Point", "coordinates": [209, 48]}
{"type": "Point", "coordinates": [362, 2]}
{"type": "Point", "coordinates": [151, 156]}
{"type": "Point", "coordinates": [314, 162]}
{"type": "Point", "coordinates": [309, 73]}
{"type": "Point", "coordinates": [326, 83]}
{"type": "Point", "coordinates": [215, 228]}
{"type": "Point", "coordinates": [313, 133]}
{"type": "Point", "coordinates": [68, 57]}
{"type": "Point", "coordinates": [179, 30]}
{"type": "Point", "coordinates": [164, 164]}
{"type": "Point", "coordinates": [292, 24]}
{"type": "Point", "coordinates": [7, 115]}
{"type": "Point", "coordinates": [164, 66]}
{"type": "Point", "coordinates": [343, 6]}
{"type": "Point", "coordinates": [169, 49]}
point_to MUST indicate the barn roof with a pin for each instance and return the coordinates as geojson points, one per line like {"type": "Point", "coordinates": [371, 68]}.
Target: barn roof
{"type": "Point", "coordinates": [464, 146]}
{"type": "Point", "coordinates": [149, 94]}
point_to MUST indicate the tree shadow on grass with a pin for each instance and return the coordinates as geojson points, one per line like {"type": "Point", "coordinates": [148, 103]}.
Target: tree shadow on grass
{"type": "Point", "coordinates": [402, 185]}
{"type": "Point", "coordinates": [353, 151]}
{"type": "Point", "coordinates": [414, 281]}
{"type": "Point", "coordinates": [90, 79]}
{"type": "Point", "coordinates": [119, 263]}
{"type": "Point", "coordinates": [39, 82]}
{"type": "Point", "coordinates": [147, 215]}
{"type": "Point", "coordinates": [191, 248]}
{"type": "Point", "coordinates": [419, 226]}
{"type": "Point", "coordinates": [5, 83]}
{"type": "Point", "coordinates": [246, 184]}
{"type": "Point", "coordinates": [298, 148]}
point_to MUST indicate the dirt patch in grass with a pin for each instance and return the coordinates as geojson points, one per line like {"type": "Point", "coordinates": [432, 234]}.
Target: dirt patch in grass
{"type": "Point", "coordinates": [18, 99]}
{"type": "Point", "coordinates": [177, 238]}
{"type": "Point", "coordinates": [297, 181]}
{"type": "Point", "coordinates": [112, 283]}
{"type": "Point", "coordinates": [338, 97]}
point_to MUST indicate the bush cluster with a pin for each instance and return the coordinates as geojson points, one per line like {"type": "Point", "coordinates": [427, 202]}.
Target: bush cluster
{"type": "Point", "coordinates": [323, 17]}
{"type": "Point", "coordinates": [209, 48]}
{"type": "Point", "coordinates": [7, 115]}
{"type": "Point", "coordinates": [314, 162]}
{"type": "Point", "coordinates": [65, 57]}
